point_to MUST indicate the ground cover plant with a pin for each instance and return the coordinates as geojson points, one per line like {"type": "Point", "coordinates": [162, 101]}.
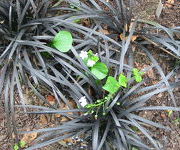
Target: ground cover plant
{"type": "Point", "coordinates": [21, 36]}
{"type": "Point", "coordinates": [90, 72]}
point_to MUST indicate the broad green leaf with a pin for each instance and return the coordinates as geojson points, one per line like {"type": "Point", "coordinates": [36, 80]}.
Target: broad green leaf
{"type": "Point", "coordinates": [137, 74]}
{"type": "Point", "coordinates": [123, 80]}
{"type": "Point", "coordinates": [138, 78]}
{"type": "Point", "coordinates": [100, 70]}
{"type": "Point", "coordinates": [63, 41]}
{"type": "Point", "coordinates": [16, 147]}
{"type": "Point", "coordinates": [22, 144]}
{"type": "Point", "coordinates": [112, 85]}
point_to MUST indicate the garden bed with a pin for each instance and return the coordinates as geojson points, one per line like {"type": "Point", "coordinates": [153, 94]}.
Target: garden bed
{"type": "Point", "coordinates": [169, 140]}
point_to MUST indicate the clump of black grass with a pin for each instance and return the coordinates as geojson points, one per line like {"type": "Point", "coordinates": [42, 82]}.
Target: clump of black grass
{"type": "Point", "coordinates": [25, 40]}
{"type": "Point", "coordinates": [120, 128]}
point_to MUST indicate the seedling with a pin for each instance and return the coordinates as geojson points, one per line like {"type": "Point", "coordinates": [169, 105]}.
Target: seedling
{"type": "Point", "coordinates": [16, 147]}
{"type": "Point", "coordinates": [91, 60]}
{"type": "Point", "coordinates": [137, 75]}
{"type": "Point", "coordinates": [21, 144]}
{"type": "Point", "coordinates": [112, 85]}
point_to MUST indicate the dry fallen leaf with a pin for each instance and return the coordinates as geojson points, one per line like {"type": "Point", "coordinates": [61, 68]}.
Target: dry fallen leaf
{"type": "Point", "coordinates": [104, 31]}
{"type": "Point", "coordinates": [51, 99]}
{"type": "Point", "coordinates": [57, 115]}
{"type": "Point", "coordinates": [133, 38]}
{"type": "Point", "coordinates": [169, 3]}
{"type": "Point", "coordinates": [43, 119]}
{"type": "Point", "coordinates": [69, 140]}
{"type": "Point", "coordinates": [64, 119]}
{"type": "Point", "coordinates": [29, 137]}
{"type": "Point", "coordinates": [160, 95]}
{"type": "Point", "coordinates": [73, 103]}
{"type": "Point", "coordinates": [150, 73]}
{"type": "Point", "coordinates": [66, 141]}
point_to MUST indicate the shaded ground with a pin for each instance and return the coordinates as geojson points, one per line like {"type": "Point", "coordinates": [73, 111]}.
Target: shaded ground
{"type": "Point", "coordinates": [170, 140]}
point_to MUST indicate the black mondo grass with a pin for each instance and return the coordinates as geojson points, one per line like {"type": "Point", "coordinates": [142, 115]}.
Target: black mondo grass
{"type": "Point", "coordinates": [119, 20]}
{"type": "Point", "coordinates": [115, 130]}
{"type": "Point", "coordinates": [22, 39]}
{"type": "Point", "coordinates": [26, 33]}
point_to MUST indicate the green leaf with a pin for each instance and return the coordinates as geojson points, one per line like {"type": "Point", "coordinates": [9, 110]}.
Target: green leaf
{"type": "Point", "coordinates": [112, 85]}
{"type": "Point", "coordinates": [22, 144]}
{"type": "Point", "coordinates": [77, 21]}
{"type": "Point", "coordinates": [138, 78]}
{"type": "Point", "coordinates": [123, 80]}
{"type": "Point", "coordinates": [98, 82]}
{"type": "Point", "coordinates": [134, 148]}
{"type": "Point", "coordinates": [92, 56]}
{"type": "Point", "coordinates": [137, 75]}
{"type": "Point", "coordinates": [100, 70]}
{"type": "Point", "coordinates": [16, 147]}
{"type": "Point", "coordinates": [90, 53]}
{"type": "Point", "coordinates": [134, 128]}
{"type": "Point", "coordinates": [63, 41]}
{"type": "Point", "coordinates": [135, 71]}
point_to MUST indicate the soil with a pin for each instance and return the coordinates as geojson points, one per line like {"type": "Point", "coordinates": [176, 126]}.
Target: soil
{"type": "Point", "coordinates": [170, 140]}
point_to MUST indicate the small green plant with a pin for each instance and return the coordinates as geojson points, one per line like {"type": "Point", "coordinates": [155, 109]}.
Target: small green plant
{"type": "Point", "coordinates": [21, 144]}
{"type": "Point", "coordinates": [137, 75]}
{"type": "Point", "coordinates": [91, 60]}
{"type": "Point", "coordinates": [112, 85]}
{"type": "Point", "coordinates": [16, 147]}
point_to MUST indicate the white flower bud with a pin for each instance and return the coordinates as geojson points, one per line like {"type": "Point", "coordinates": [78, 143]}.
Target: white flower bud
{"type": "Point", "coordinates": [83, 101]}
{"type": "Point", "coordinates": [83, 54]}
{"type": "Point", "coordinates": [90, 63]}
